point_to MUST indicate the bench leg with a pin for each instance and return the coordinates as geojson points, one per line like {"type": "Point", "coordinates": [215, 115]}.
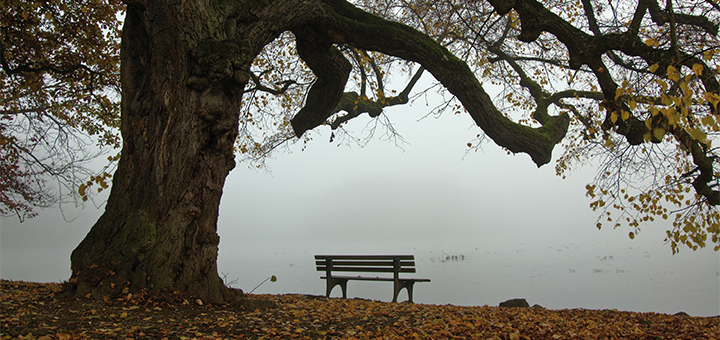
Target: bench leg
{"type": "Point", "coordinates": [408, 285]}
{"type": "Point", "coordinates": [331, 283]}
{"type": "Point", "coordinates": [409, 289]}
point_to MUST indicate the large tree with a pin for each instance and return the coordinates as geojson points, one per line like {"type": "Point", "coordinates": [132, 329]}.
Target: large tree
{"type": "Point", "coordinates": [188, 66]}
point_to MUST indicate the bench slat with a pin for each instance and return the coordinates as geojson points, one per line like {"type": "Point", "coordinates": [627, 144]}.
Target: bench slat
{"type": "Point", "coordinates": [367, 269]}
{"type": "Point", "coordinates": [366, 263]}
{"type": "Point", "coordinates": [363, 278]}
{"type": "Point", "coordinates": [365, 257]}
{"type": "Point", "coordinates": [369, 278]}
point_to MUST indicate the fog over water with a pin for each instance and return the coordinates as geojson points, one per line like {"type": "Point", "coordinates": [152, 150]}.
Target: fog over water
{"type": "Point", "coordinates": [484, 227]}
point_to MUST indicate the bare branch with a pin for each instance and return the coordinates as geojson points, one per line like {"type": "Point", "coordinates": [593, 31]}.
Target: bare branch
{"type": "Point", "coordinates": [275, 91]}
{"type": "Point", "coordinates": [356, 105]}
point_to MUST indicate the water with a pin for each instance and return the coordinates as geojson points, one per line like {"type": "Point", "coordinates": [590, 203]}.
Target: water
{"type": "Point", "coordinates": [561, 277]}
{"type": "Point", "coordinates": [592, 269]}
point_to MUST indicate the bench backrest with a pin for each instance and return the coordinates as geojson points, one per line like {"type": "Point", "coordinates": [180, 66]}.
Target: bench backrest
{"type": "Point", "coordinates": [365, 263]}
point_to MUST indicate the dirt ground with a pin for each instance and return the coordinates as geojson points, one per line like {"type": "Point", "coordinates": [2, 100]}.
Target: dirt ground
{"type": "Point", "coordinates": [33, 311]}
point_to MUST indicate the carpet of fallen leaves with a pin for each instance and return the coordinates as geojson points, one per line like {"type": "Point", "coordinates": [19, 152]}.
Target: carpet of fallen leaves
{"type": "Point", "coordinates": [32, 311]}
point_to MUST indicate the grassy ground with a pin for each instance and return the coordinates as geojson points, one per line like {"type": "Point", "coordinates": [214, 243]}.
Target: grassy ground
{"type": "Point", "coordinates": [32, 311]}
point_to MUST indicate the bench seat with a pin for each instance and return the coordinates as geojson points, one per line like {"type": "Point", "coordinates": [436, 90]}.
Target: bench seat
{"type": "Point", "coordinates": [394, 264]}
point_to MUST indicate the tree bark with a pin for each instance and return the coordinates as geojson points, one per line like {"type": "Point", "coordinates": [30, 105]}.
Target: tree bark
{"type": "Point", "coordinates": [184, 67]}
{"type": "Point", "coordinates": [182, 81]}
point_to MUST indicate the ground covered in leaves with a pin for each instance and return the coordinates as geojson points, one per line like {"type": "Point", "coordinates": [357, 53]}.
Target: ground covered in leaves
{"type": "Point", "coordinates": [32, 311]}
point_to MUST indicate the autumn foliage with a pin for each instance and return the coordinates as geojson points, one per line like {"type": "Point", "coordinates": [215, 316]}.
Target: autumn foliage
{"type": "Point", "coordinates": [638, 81]}
{"type": "Point", "coordinates": [32, 311]}
{"type": "Point", "coordinates": [59, 98]}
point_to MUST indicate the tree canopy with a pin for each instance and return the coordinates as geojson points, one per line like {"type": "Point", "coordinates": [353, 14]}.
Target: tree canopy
{"type": "Point", "coordinates": [59, 95]}
{"type": "Point", "coordinates": [637, 82]}
{"type": "Point", "coordinates": [628, 86]}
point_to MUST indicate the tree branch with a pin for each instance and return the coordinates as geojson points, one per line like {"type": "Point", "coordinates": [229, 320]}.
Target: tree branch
{"type": "Point", "coordinates": [332, 71]}
{"type": "Point", "coordinates": [585, 49]}
{"type": "Point", "coordinates": [346, 24]}
{"type": "Point", "coordinates": [22, 111]}
{"type": "Point", "coordinates": [275, 91]}
{"type": "Point", "coordinates": [356, 105]}
{"type": "Point", "coordinates": [661, 17]}
{"type": "Point", "coordinates": [590, 15]}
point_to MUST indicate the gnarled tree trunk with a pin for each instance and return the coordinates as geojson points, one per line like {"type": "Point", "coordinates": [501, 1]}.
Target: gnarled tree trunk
{"type": "Point", "coordinates": [183, 73]}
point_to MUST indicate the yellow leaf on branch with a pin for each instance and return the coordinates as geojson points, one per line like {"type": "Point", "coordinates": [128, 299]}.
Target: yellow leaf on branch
{"type": "Point", "coordinates": [673, 73]}
{"type": "Point", "coordinates": [708, 121]}
{"type": "Point", "coordinates": [659, 133]}
{"type": "Point", "coordinates": [697, 134]}
{"type": "Point", "coordinates": [618, 93]}
{"type": "Point", "coordinates": [713, 98]}
{"type": "Point", "coordinates": [707, 55]}
{"type": "Point", "coordinates": [654, 111]}
{"type": "Point", "coordinates": [697, 68]}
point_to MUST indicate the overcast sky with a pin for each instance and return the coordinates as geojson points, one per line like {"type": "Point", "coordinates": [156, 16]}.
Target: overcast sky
{"type": "Point", "coordinates": [524, 231]}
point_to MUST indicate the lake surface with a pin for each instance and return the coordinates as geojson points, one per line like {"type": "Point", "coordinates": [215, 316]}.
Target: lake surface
{"type": "Point", "coordinates": [604, 277]}
{"type": "Point", "coordinates": [604, 270]}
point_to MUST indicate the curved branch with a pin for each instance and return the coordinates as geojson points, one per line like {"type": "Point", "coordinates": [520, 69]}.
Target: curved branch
{"type": "Point", "coordinates": [332, 71]}
{"type": "Point", "coordinates": [542, 98]}
{"type": "Point", "coordinates": [376, 70]}
{"type": "Point", "coordinates": [345, 24]}
{"type": "Point", "coordinates": [28, 68]}
{"type": "Point", "coordinates": [363, 75]}
{"type": "Point", "coordinates": [661, 17]}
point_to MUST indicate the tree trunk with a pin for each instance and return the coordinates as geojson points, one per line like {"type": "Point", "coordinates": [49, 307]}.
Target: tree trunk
{"type": "Point", "coordinates": [183, 72]}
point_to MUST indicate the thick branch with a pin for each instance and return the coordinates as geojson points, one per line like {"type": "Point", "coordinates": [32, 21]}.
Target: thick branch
{"type": "Point", "coordinates": [661, 17]}
{"type": "Point", "coordinates": [332, 71]}
{"type": "Point", "coordinates": [585, 49]}
{"type": "Point", "coordinates": [703, 163]}
{"type": "Point", "coordinates": [590, 15]}
{"type": "Point", "coordinates": [346, 24]}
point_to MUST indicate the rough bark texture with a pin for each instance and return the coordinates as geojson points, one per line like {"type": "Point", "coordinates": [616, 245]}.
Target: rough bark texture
{"type": "Point", "coordinates": [184, 65]}
{"type": "Point", "coordinates": [179, 123]}
{"type": "Point", "coordinates": [183, 71]}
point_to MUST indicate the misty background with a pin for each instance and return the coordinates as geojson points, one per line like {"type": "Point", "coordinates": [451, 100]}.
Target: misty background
{"type": "Point", "coordinates": [484, 227]}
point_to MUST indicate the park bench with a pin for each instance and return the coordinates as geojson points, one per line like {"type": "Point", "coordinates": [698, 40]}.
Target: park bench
{"type": "Point", "coordinates": [394, 264]}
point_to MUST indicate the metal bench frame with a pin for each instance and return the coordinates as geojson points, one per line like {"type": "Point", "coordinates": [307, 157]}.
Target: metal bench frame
{"type": "Point", "coordinates": [395, 264]}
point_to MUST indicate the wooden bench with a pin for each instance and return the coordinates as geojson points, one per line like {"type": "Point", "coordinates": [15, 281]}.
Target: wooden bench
{"type": "Point", "coordinates": [395, 264]}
